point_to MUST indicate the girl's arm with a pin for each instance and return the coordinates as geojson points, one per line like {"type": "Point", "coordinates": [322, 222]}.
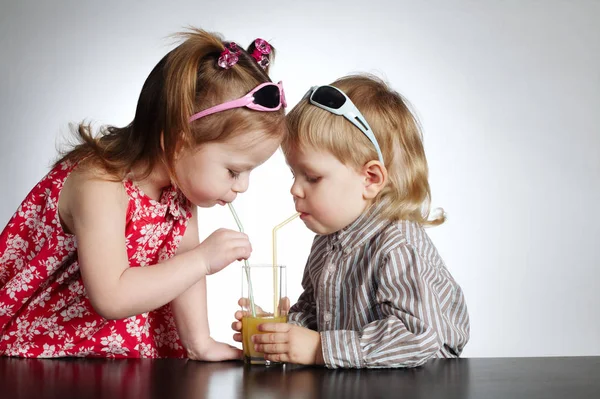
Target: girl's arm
{"type": "Point", "coordinates": [190, 311]}
{"type": "Point", "coordinates": [96, 211]}
{"type": "Point", "coordinates": [189, 308]}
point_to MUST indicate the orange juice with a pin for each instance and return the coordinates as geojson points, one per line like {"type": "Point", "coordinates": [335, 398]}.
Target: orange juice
{"type": "Point", "coordinates": [249, 328]}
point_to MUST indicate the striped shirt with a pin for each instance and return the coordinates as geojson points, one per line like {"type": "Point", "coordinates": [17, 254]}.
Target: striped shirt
{"type": "Point", "coordinates": [380, 296]}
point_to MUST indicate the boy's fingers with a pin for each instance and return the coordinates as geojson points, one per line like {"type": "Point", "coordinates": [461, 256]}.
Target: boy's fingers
{"type": "Point", "coordinates": [276, 338]}
{"type": "Point", "coordinates": [243, 302]}
{"type": "Point", "coordinates": [274, 327]}
{"type": "Point", "coordinates": [271, 348]}
{"type": "Point", "coordinates": [284, 305]}
{"type": "Point", "coordinates": [237, 337]}
{"type": "Point", "coordinates": [259, 310]}
{"type": "Point", "coordinates": [278, 357]}
{"type": "Point", "coordinates": [236, 326]}
{"type": "Point", "coordinates": [240, 314]}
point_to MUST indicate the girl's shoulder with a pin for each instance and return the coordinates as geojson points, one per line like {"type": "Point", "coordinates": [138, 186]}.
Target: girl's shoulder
{"type": "Point", "coordinates": [87, 176]}
{"type": "Point", "coordinates": [90, 184]}
{"type": "Point", "coordinates": [85, 186]}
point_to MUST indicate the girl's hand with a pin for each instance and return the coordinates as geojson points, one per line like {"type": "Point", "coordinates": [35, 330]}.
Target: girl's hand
{"type": "Point", "coordinates": [213, 351]}
{"type": "Point", "coordinates": [222, 248]}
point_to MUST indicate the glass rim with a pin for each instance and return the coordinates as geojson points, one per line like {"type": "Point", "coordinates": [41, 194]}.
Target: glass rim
{"type": "Point", "coordinates": [263, 265]}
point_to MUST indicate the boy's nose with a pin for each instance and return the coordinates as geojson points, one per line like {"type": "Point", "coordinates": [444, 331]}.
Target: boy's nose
{"type": "Point", "coordinates": [296, 190]}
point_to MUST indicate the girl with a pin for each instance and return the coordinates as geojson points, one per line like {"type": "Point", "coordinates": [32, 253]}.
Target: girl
{"type": "Point", "coordinates": [102, 258]}
{"type": "Point", "coordinates": [376, 291]}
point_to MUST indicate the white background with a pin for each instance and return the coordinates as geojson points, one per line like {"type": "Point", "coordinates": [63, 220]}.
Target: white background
{"type": "Point", "coordinates": [508, 93]}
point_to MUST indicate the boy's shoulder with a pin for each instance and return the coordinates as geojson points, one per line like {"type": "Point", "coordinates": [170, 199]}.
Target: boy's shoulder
{"type": "Point", "coordinates": [407, 236]}
{"type": "Point", "coordinates": [394, 236]}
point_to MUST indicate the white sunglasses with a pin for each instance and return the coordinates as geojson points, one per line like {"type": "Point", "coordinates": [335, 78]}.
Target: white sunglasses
{"type": "Point", "coordinates": [334, 100]}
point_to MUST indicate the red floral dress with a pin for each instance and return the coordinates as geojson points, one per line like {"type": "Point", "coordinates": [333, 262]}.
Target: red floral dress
{"type": "Point", "coordinates": [44, 308]}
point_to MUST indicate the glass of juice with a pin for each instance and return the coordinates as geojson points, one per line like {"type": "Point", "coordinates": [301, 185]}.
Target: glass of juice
{"type": "Point", "coordinates": [263, 286]}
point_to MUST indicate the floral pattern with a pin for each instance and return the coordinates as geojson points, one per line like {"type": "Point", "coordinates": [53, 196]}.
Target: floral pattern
{"type": "Point", "coordinates": [44, 309]}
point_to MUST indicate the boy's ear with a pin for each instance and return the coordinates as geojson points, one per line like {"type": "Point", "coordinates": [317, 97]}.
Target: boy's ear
{"type": "Point", "coordinates": [376, 176]}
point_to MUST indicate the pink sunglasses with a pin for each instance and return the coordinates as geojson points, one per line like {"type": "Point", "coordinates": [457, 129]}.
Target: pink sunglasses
{"type": "Point", "coordinates": [264, 97]}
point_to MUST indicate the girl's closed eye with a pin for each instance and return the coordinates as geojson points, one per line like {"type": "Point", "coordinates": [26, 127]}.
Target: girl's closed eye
{"type": "Point", "coordinates": [233, 174]}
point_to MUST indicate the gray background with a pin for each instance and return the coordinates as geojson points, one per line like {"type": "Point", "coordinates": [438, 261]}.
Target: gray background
{"type": "Point", "coordinates": [508, 93]}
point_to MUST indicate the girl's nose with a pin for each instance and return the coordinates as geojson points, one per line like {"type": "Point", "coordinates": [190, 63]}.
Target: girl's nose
{"type": "Point", "coordinates": [241, 184]}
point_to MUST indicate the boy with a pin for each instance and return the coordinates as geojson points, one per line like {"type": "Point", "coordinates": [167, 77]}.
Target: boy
{"type": "Point", "coordinates": [376, 291]}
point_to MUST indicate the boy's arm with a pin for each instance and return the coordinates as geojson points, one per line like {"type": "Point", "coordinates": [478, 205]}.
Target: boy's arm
{"type": "Point", "coordinates": [408, 336]}
{"type": "Point", "coordinates": [304, 312]}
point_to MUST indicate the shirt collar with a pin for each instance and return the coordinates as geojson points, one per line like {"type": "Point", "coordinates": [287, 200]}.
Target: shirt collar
{"type": "Point", "coordinates": [361, 230]}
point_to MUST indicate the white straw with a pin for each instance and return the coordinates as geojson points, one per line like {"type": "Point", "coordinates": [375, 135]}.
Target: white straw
{"type": "Point", "coordinates": [246, 265]}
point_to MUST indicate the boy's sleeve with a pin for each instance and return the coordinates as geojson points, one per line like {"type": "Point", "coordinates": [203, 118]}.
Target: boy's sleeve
{"type": "Point", "coordinates": [408, 336]}
{"type": "Point", "coordinates": [304, 312]}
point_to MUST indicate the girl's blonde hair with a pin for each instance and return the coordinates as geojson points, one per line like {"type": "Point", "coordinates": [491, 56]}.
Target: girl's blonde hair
{"type": "Point", "coordinates": [185, 81]}
{"type": "Point", "coordinates": [397, 131]}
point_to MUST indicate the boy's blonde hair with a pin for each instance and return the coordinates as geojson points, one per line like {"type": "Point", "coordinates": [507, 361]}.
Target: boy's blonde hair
{"type": "Point", "coordinates": [397, 131]}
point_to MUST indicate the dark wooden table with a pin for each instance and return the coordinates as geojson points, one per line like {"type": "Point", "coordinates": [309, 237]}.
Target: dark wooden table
{"type": "Point", "coordinates": [508, 378]}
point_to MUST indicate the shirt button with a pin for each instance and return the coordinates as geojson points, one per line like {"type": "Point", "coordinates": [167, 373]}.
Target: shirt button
{"type": "Point", "coordinates": [327, 317]}
{"type": "Point", "coordinates": [331, 268]}
{"type": "Point", "coordinates": [347, 251]}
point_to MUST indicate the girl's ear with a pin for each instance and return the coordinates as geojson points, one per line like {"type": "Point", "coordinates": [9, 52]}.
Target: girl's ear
{"type": "Point", "coordinates": [376, 176]}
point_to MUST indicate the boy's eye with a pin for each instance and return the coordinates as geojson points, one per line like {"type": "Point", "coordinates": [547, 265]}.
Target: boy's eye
{"type": "Point", "coordinates": [313, 179]}
{"type": "Point", "coordinates": [234, 175]}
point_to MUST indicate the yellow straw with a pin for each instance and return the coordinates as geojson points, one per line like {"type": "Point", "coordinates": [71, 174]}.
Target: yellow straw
{"type": "Point", "coordinates": [247, 266]}
{"type": "Point", "coordinates": [275, 278]}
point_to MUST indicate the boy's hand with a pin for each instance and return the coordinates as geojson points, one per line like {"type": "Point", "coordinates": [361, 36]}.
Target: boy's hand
{"type": "Point", "coordinates": [289, 343]}
{"type": "Point", "coordinates": [240, 314]}
{"type": "Point", "coordinates": [284, 307]}
{"type": "Point", "coordinates": [236, 326]}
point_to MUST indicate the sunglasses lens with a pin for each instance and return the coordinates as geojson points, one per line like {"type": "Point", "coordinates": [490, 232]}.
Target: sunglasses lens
{"type": "Point", "coordinates": [268, 96]}
{"type": "Point", "coordinates": [328, 97]}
